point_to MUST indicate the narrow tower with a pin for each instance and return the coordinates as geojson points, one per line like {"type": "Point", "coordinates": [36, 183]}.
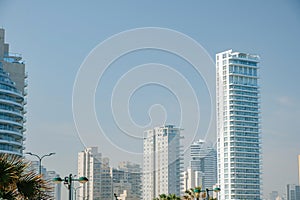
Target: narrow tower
{"type": "Point", "coordinates": [238, 126]}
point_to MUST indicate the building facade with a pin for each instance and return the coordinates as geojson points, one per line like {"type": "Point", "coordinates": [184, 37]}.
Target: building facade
{"type": "Point", "coordinates": [204, 160]}
{"type": "Point", "coordinates": [161, 162]}
{"type": "Point", "coordinates": [127, 182]}
{"type": "Point", "coordinates": [133, 176]}
{"type": "Point", "coordinates": [238, 126]}
{"type": "Point", "coordinates": [56, 188]}
{"type": "Point", "coordinates": [293, 192]}
{"type": "Point", "coordinates": [191, 179]}
{"type": "Point", "coordinates": [89, 165]}
{"type": "Point", "coordinates": [12, 100]}
{"type": "Point", "coordinates": [106, 180]}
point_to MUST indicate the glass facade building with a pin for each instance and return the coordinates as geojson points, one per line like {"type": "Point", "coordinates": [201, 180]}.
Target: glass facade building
{"type": "Point", "coordinates": [204, 160]}
{"type": "Point", "coordinates": [12, 100]}
{"type": "Point", "coordinates": [238, 126]}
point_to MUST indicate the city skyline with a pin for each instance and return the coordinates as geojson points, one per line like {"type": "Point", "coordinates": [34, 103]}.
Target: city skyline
{"type": "Point", "coordinates": [54, 41]}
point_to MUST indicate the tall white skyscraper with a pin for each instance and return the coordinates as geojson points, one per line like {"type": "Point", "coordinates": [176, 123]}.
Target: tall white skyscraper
{"type": "Point", "coordinates": [162, 162]}
{"type": "Point", "coordinates": [12, 100]}
{"type": "Point", "coordinates": [238, 126]}
{"type": "Point", "coordinates": [89, 165]}
{"type": "Point", "coordinates": [204, 160]}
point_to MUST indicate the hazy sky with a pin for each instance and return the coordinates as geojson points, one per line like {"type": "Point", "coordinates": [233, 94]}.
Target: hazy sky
{"type": "Point", "coordinates": [55, 37]}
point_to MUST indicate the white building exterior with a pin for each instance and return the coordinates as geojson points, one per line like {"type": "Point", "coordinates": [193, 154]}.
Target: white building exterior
{"type": "Point", "coordinates": [12, 100]}
{"type": "Point", "coordinates": [128, 177]}
{"type": "Point", "coordinates": [162, 162]}
{"type": "Point", "coordinates": [204, 160]}
{"type": "Point", "coordinates": [238, 126]}
{"type": "Point", "coordinates": [89, 165]}
{"type": "Point", "coordinates": [191, 179]}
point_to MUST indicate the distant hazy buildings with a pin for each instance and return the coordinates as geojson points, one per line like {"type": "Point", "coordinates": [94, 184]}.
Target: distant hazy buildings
{"type": "Point", "coordinates": [238, 126]}
{"type": "Point", "coordinates": [161, 162]}
{"type": "Point", "coordinates": [191, 179]}
{"type": "Point", "coordinates": [127, 181]}
{"type": "Point", "coordinates": [273, 195]}
{"type": "Point", "coordinates": [204, 160]}
{"type": "Point", "coordinates": [12, 100]}
{"type": "Point", "coordinates": [104, 180]}
{"type": "Point", "coordinates": [56, 191]}
{"type": "Point", "coordinates": [48, 175]}
{"type": "Point", "coordinates": [293, 192]}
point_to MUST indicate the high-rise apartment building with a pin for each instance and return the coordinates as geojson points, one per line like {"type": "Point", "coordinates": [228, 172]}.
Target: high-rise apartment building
{"type": "Point", "coordinates": [204, 160]}
{"type": "Point", "coordinates": [293, 192]}
{"type": "Point", "coordinates": [106, 180]}
{"type": "Point", "coordinates": [89, 165]}
{"type": "Point", "coordinates": [133, 174]}
{"type": "Point", "coordinates": [12, 100]}
{"type": "Point", "coordinates": [238, 126]}
{"type": "Point", "coordinates": [127, 177]}
{"type": "Point", "coordinates": [161, 162]}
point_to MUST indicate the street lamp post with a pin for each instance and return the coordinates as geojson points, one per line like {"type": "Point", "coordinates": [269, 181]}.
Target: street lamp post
{"type": "Point", "coordinates": [68, 180]}
{"type": "Point", "coordinates": [40, 159]}
{"type": "Point", "coordinates": [197, 191]}
{"type": "Point", "coordinates": [40, 162]}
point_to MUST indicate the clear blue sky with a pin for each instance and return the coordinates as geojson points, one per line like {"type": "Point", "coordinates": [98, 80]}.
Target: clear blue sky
{"type": "Point", "coordinates": [54, 37]}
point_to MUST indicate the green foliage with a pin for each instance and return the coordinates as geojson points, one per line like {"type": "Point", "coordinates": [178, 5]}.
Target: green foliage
{"type": "Point", "coordinates": [17, 182]}
{"type": "Point", "coordinates": [190, 194]}
{"type": "Point", "coordinates": [167, 197]}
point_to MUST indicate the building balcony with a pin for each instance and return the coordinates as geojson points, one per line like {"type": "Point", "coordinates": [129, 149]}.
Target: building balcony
{"type": "Point", "coordinates": [12, 132]}
{"type": "Point", "coordinates": [11, 102]}
{"type": "Point", "coordinates": [14, 93]}
{"type": "Point", "coordinates": [8, 121]}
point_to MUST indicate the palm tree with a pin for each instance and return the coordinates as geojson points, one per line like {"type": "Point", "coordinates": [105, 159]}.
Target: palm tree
{"type": "Point", "coordinates": [18, 182]}
{"type": "Point", "coordinates": [167, 197]}
{"type": "Point", "coordinates": [190, 194]}
{"type": "Point", "coordinates": [173, 197]}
